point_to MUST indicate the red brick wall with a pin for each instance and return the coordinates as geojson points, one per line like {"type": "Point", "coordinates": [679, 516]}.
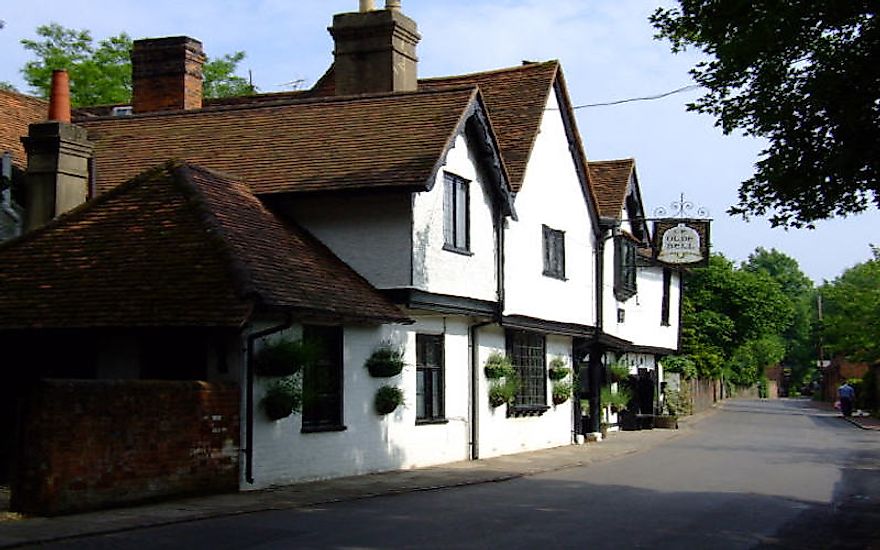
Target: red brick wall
{"type": "Point", "coordinates": [89, 444]}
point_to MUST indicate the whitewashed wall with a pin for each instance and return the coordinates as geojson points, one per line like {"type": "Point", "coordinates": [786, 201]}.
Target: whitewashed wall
{"type": "Point", "coordinates": [370, 233]}
{"type": "Point", "coordinates": [551, 195]}
{"type": "Point", "coordinates": [371, 443]}
{"type": "Point", "coordinates": [442, 271]}
{"type": "Point", "coordinates": [500, 434]}
{"type": "Point", "coordinates": [642, 312]}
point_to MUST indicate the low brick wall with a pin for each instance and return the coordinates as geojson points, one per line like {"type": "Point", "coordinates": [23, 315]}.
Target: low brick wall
{"type": "Point", "coordinates": [88, 444]}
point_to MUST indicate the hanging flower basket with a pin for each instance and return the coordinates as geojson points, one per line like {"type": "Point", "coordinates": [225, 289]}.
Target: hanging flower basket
{"type": "Point", "coordinates": [282, 398]}
{"type": "Point", "coordinates": [386, 361]}
{"type": "Point", "coordinates": [498, 366]}
{"type": "Point", "coordinates": [283, 357]}
{"type": "Point", "coordinates": [388, 398]}
{"type": "Point", "coordinates": [561, 392]}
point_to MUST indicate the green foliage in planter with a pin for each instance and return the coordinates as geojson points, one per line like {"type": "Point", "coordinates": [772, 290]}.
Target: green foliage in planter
{"type": "Point", "coordinates": [562, 392]}
{"type": "Point", "coordinates": [387, 399]}
{"type": "Point", "coordinates": [502, 391]}
{"type": "Point", "coordinates": [283, 397]}
{"type": "Point", "coordinates": [386, 361]}
{"type": "Point", "coordinates": [618, 372]}
{"type": "Point", "coordinates": [498, 366]}
{"type": "Point", "coordinates": [618, 401]}
{"type": "Point", "coordinates": [558, 373]}
{"type": "Point", "coordinates": [284, 357]}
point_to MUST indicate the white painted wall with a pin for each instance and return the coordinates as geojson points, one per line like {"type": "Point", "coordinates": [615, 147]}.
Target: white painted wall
{"type": "Point", "coordinates": [500, 434]}
{"type": "Point", "coordinates": [371, 233]}
{"type": "Point", "coordinates": [551, 194]}
{"type": "Point", "coordinates": [442, 271]}
{"type": "Point", "coordinates": [371, 443]}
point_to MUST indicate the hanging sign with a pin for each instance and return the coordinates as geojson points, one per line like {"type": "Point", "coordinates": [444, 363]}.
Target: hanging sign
{"type": "Point", "coordinates": [682, 242]}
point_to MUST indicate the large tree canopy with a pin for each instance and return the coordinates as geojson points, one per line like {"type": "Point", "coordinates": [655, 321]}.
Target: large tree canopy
{"type": "Point", "coordinates": [101, 74]}
{"type": "Point", "coordinates": [802, 74]}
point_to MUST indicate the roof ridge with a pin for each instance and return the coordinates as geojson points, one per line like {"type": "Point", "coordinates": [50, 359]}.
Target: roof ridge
{"type": "Point", "coordinates": [531, 65]}
{"type": "Point", "coordinates": [180, 172]}
{"type": "Point", "coordinates": [285, 103]}
{"type": "Point", "coordinates": [606, 161]}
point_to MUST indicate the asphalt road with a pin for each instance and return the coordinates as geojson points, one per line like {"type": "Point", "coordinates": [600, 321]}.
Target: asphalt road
{"type": "Point", "coordinates": [767, 474]}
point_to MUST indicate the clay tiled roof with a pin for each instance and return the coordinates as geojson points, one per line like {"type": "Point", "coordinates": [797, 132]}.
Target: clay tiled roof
{"type": "Point", "coordinates": [515, 98]}
{"type": "Point", "coordinates": [610, 179]}
{"type": "Point", "coordinates": [16, 112]}
{"type": "Point", "coordinates": [395, 140]}
{"type": "Point", "coordinates": [176, 246]}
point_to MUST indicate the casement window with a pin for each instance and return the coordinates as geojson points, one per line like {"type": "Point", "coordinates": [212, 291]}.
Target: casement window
{"type": "Point", "coordinates": [429, 378]}
{"type": "Point", "coordinates": [456, 216]}
{"type": "Point", "coordinates": [527, 352]}
{"type": "Point", "coordinates": [664, 305]}
{"type": "Point", "coordinates": [554, 253]}
{"type": "Point", "coordinates": [624, 268]}
{"type": "Point", "coordinates": [322, 380]}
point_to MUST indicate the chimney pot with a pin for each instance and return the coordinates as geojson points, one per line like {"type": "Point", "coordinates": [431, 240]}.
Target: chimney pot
{"type": "Point", "coordinates": [367, 5]}
{"type": "Point", "coordinates": [59, 97]}
{"type": "Point", "coordinates": [393, 5]}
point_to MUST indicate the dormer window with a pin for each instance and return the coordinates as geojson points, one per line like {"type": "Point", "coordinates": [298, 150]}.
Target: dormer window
{"type": "Point", "coordinates": [624, 268]}
{"type": "Point", "coordinates": [456, 217]}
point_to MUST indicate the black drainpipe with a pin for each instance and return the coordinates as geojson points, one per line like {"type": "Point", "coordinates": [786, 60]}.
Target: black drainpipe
{"type": "Point", "coordinates": [249, 394]}
{"type": "Point", "coordinates": [596, 368]}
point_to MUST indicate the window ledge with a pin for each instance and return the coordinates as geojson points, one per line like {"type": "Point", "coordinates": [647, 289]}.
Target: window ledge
{"type": "Point", "coordinates": [431, 421]}
{"type": "Point", "coordinates": [456, 250]}
{"type": "Point", "coordinates": [321, 429]}
{"type": "Point", "coordinates": [555, 276]}
{"type": "Point", "coordinates": [527, 410]}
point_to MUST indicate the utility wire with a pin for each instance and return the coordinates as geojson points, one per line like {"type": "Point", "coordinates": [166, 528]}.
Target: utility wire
{"type": "Point", "coordinates": [645, 98]}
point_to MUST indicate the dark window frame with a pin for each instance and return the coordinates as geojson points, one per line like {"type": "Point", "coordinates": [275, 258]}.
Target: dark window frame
{"type": "Point", "coordinates": [317, 416]}
{"type": "Point", "coordinates": [625, 268]}
{"type": "Point", "coordinates": [528, 354]}
{"type": "Point", "coordinates": [665, 305]}
{"type": "Point", "coordinates": [456, 214]}
{"type": "Point", "coordinates": [554, 252]}
{"type": "Point", "coordinates": [430, 369]}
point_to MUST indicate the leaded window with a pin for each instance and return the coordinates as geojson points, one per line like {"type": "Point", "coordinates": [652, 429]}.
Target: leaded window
{"type": "Point", "coordinates": [456, 219]}
{"type": "Point", "coordinates": [554, 253]}
{"type": "Point", "coordinates": [322, 380]}
{"type": "Point", "coordinates": [664, 306]}
{"type": "Point", "coordinates": [527, 352]}
{"type": "Point", "coordinates": [625, 268]}
{"type": "Point", "coordinates": [429, 377]}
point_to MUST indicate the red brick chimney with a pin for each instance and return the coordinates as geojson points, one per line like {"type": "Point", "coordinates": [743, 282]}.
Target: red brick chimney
{"type": "Point", "coordinates": [166, 74]}
{"type": "Point", "coordinates": [375, 50]}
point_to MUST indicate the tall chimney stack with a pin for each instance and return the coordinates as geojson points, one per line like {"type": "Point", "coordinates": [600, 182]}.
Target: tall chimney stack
{"type": "Point", "coordinates": [375, 50]}
{"type": "Point", "coordinates": [58, 155]}
{"type": "Point", "coordinates": [166, 74]}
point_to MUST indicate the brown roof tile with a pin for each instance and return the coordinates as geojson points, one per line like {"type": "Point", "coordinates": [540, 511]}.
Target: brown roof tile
{"type": "Point", "coordinates": [176, 246]}
{"type": "Point", "coordinates": [392, 140]}
{"type": "Point", "coordinates": [16, 112]}
{"type": "Point", "coordinates": [610, 179]}
{"type": "Point", "coordinates": [515, 98]}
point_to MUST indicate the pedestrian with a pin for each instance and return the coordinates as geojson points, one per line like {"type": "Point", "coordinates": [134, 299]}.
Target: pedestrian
{"type": "Point", "coordinates": [846, 394]}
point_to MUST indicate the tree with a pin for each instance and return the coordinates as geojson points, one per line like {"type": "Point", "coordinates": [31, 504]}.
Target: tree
{"type": "Point", "coordinates": [101, 74]}
{"type": "Point", "coordinates": [732, 322]}
{"type": "Point", "coordinates": [800, 349]}
{"type": "Point", "coordinates": [802, 74]}
{"type": "Point", "coordinates": [851, 323]}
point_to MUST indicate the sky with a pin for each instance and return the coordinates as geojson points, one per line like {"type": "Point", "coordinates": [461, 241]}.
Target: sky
{"type": "Point", "coordinates": [607, 53]}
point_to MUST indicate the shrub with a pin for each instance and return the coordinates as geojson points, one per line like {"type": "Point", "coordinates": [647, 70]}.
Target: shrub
{"type": "Point", "coordinates": [618, 372]}
{"type": "Point", "coordinates": [618, 401]}
{"type": "Point", "coordinates": [498, 366]}
{"type": "Point", "coordinates": [386, 361]}
{"type": "Point", "coordinates": [284, 357]}
{"type": "Point", "coordinates": [283, 397]}
{"type": "Point", "coordinates": [388, 398]}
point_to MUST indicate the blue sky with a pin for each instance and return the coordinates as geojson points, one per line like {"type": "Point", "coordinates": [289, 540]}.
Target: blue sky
{"type": "Point", "coordinates": [607, 52]}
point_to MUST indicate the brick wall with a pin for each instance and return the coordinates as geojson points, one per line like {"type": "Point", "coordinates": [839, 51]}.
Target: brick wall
{"type": "Point", "coordinates": [88, 444]}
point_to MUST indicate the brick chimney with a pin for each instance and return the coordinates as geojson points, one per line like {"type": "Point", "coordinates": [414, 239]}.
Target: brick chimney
{"type": "Point", "coordinates": [375, 50]}
{"type": "Point", "coordinates": [58, 155]}
{"type": "Point", "coordinates": [166, 74]}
